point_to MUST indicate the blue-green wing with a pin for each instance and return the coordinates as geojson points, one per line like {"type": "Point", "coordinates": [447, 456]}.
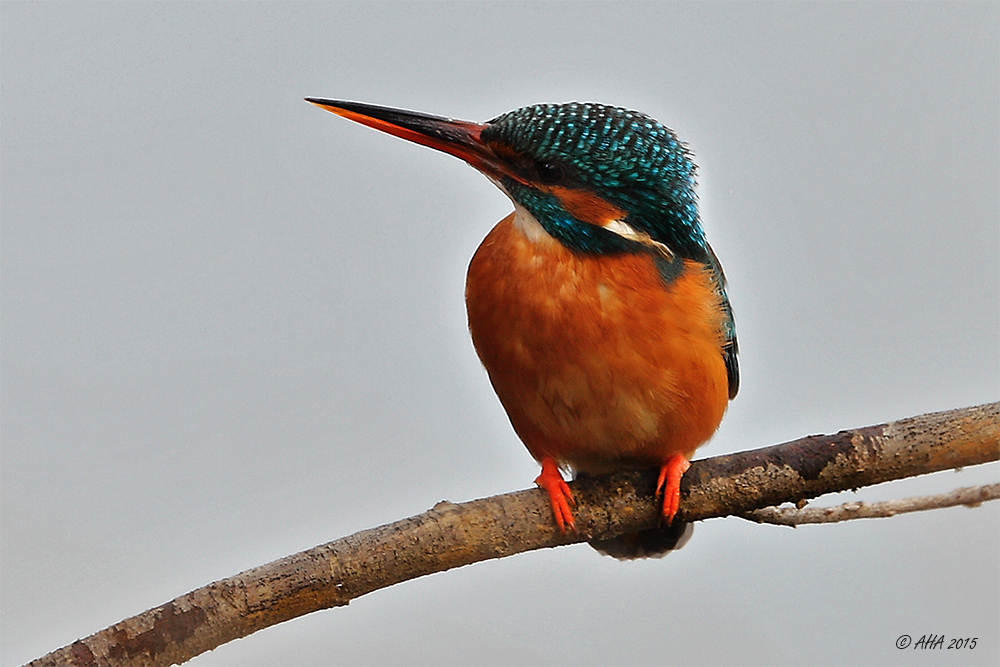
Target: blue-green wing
{"type": "Point", "coordinates": [730, 348]}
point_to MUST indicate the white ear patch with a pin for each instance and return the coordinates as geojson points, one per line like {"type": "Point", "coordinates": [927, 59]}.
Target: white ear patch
{"type": "Point", "coordinates": [627, 231]}
{"type": "Point", "coordinates": [621, 228]}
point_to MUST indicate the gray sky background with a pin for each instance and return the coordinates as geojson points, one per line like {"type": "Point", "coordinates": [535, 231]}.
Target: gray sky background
{"type": "Point", "coordinates": [233, 325]}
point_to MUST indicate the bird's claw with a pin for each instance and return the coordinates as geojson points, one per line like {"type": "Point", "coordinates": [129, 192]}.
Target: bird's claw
{"type": "Point", "coordinates": [560, 495]}
{"type": "Point", "coordinates": [670, 484]}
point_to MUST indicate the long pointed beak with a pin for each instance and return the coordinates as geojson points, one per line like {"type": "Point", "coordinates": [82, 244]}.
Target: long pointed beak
{"type": "Point", "coordinates": [460, 138]}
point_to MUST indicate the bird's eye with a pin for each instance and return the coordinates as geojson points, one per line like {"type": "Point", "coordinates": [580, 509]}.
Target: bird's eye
{"type": "Point", "coordinates": [549, 173]}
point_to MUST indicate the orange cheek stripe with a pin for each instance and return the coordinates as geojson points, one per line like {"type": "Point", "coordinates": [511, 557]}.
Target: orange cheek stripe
{"type": "Point", "coordinates": [587, 206]}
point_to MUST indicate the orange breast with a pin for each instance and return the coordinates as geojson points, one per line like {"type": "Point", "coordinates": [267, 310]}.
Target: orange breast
{"type": "Point", "coordinates": [598, 363]}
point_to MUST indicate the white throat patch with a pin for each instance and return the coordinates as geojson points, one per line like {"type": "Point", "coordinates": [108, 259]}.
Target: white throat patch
{"type": "Point", "coordinates": [528, 225]}
{"type": "Point", "coordinates": [524, 221]}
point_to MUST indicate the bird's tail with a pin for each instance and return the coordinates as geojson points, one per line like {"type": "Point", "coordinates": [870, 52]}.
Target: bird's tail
{"type": "Point", "coordinates": [652, 543]}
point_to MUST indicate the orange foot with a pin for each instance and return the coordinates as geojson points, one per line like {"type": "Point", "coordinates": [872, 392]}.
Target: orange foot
{"type": "Point", "coordinates": [671, 473]}
{"type": "Point", "coordinates": [559, 494]}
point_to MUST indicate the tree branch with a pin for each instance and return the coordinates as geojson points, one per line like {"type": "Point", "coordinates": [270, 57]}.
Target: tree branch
{"type": "Point", "coordinates": [794, 516]}
{"type": "Point", "coordinates": [451, 535]}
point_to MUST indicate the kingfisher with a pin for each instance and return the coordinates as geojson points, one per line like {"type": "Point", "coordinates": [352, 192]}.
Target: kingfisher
{"type": "Point", "coordinates": [597, 306]}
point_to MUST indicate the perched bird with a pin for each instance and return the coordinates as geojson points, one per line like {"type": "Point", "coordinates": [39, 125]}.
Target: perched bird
{"type": "Point", "coordinates": [597, 307]}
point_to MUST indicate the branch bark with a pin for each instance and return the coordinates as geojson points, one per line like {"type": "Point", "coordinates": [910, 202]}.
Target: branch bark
{"type": "Point", "coordinates": [451, 535]}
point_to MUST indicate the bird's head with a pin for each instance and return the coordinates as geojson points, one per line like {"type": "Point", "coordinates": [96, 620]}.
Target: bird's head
{"type": "Point", "coordinates": [597, 178]}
